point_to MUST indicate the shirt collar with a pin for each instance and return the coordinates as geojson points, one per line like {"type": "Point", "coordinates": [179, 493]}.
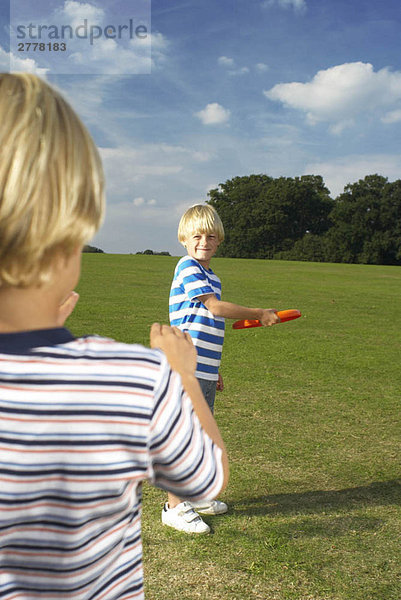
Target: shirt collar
{"type": "Point", "coordinates": [24, 341]}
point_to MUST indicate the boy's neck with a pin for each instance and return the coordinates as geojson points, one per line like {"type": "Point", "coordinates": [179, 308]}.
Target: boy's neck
{"type": "Point", "coordinates": [38, 307]}
{"type": "Point", "coordinates": [205, 263]}
{"type": "Point", "coordinates": [27, 309]}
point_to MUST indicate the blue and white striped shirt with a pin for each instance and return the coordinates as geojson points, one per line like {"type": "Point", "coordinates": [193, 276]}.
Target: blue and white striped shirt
{"type": "Point", "coordinates": [190, 281]}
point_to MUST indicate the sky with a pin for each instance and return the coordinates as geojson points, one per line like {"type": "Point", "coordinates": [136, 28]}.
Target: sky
{"type": "Point", "coordinates": [207, 90]}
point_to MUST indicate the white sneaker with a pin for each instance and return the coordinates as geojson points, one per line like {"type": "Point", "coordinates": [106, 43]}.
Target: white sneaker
{"type": "Point", "coordinates": [184, 518]}
{"type": "Point", "coordinates": [210, 507]}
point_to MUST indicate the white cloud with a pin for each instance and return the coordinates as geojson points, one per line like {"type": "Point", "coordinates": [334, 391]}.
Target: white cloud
{"type": "Point", "coordinates": [197, 155]}
{"type": "Point", "coordinates": [262, 67]}
{"type": "Point", "coordinates": [129, 169]}
{"type": "Point", "coordinates": [4, 61]}
{"type": "Point", "coordinates": [240, 71]}
{"type": "Point", "coordinates": [213, 114]}
{"type": "Point", "coordinates": [339, 172]}
{"type": "Point", "coordinates": [393, 116]}
{"type": "Point", "coordinates": [156, 45]}
{"type": "Point", "coordinates": [125, 167]}
{"type": "Point", "coordinates": [340, 93]}
{"type": "Point", "coordinates": [77, 12]}
{"type": "Point", "coordinates": [224, 61]}
{"type": "Point", "coordinates": [338, 128]}
{"type": "Point", "coordinates": [28, 65]}
{"type": "Point", "coordinates": [107, 56]}
{"type": "Point", "coordinates": [140, 201]}
{"type": "Point", "coordinates": [158, 41]}
{"type": "Point", "coordinates": [298, 5]}
{"type": "Point", "coordinates": [201, 156]}
{"type": "Point", "coordinates": [230, 65]}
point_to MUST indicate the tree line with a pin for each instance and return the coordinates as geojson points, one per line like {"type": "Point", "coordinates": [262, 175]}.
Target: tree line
{"type": "Point", "coordinates": [296, 219]}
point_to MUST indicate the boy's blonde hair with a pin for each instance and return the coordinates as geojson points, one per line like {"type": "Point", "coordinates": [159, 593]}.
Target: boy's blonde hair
{"type": "Point", "coordinates": [51, 180]}
{"type": "Point", "coordinates": [201, 218]}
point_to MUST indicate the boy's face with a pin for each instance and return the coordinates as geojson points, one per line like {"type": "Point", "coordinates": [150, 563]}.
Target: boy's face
{"type": "Point", "coordinates": [202, 246]}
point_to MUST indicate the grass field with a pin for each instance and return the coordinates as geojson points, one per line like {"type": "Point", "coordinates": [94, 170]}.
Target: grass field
{"type": "Point", "coordinates": [311, 419]}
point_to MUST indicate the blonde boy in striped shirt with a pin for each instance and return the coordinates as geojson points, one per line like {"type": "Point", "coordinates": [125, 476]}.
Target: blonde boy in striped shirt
{"type": "Point", "coordinates": [83, 420]}
{"type": "Point", "coordinates": [196, 308]}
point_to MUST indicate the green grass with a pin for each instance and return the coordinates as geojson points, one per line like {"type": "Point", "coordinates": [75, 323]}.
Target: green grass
{"type": "Point", "coordinates": [311, 419]}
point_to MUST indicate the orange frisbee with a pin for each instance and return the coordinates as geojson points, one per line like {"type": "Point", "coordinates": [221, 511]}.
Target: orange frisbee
{"type": "Point", "coordinates": [284, 315]}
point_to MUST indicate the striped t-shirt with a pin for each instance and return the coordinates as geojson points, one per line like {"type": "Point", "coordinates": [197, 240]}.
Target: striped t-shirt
{"type": "Point", "coordinates": [82, 423]}
{"type": "Point", "coordinates": [190, 281]}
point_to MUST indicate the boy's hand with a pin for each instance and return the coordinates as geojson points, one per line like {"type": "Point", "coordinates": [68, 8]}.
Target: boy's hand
{"type": "Point", "coordinates": [269, 317]}
{"type": "Point", "coordinates": [220, 384]}
{"type": "Point", "coordinates": [66, 308]}
{"type": "Point", "coordinates": [177, 346]}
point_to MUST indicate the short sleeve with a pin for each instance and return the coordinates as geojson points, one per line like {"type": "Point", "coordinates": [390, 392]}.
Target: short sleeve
{"type": "Point", "coordinates": [194, 280]}
{"type": "Point", "coordinates": [182, 457]}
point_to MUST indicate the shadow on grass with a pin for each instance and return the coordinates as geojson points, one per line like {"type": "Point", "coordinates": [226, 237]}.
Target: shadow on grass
{"type": "Point", "coordinates": [376, 494]}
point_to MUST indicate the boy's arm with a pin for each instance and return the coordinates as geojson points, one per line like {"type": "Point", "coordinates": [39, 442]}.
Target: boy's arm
{"type": "Point", "coordinates": [181, 355]}
{"type": "Point", "coordinates": [229, 310]}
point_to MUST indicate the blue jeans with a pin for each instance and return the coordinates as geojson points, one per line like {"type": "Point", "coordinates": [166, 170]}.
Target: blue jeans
{"type": "Point", "coordinates": [209, 391]}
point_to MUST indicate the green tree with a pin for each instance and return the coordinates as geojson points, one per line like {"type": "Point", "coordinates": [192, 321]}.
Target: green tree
{"type": "Point", "coordinates": [263, 216]}
{"type": "Point", "coordinates": [310, 248]}
{"type": "Point", "coordinates": [367, 223]}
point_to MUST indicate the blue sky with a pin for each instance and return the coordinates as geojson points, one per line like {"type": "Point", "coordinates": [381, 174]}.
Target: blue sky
{"type": "Point", "coordinates": [282, 87]}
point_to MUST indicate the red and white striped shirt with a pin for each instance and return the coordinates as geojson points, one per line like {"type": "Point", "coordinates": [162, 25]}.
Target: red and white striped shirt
{"type": "Point", "coordinates": [82, 423]}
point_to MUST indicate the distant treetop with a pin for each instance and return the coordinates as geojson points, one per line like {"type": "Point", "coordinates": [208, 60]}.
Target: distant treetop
{"type": "Point", "coordinates": [152, 252]}
{"type": "Point", "coordinates": [88, 248]}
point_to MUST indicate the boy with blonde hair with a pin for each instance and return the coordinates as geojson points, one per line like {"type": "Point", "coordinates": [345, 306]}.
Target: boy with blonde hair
{"type": "Point", "coordinates": [84, 421]}
{"type": "Point", "coordinates": [196, 308]}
